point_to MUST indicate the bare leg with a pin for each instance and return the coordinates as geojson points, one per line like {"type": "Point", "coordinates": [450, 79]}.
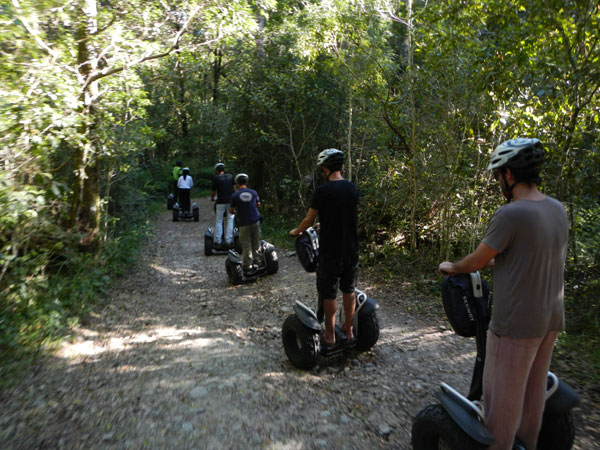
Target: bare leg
{"type": "Point", "coordinates": [330, 308]}
{"type": "Point", "coordinates": [349, 306]}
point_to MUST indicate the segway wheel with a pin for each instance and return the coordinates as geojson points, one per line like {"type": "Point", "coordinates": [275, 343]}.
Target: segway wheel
{"type": "Point", "coordinates": [302, 344]}
{"type": "Point", "coordinates": [368, 331]}
{"type": "Point", "coordinates": [234, 272]}
{"type": "Point", "coordinates": [434, 429]}
{"type": "Point", "coordinates": [175, 214]}
{"type": "Point", "coordinates": [558, 431]}
{"type": "Point", "coordinates": [208, 245]}
{"type": "Point", "coordinates": [271, 260]}
{"type": "Point", "coordinates": [196, 214]}
{"type": "Point", "coordinates": [170, 201]}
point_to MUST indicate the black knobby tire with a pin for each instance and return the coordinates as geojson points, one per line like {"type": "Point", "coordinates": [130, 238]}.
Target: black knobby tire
{"type": "Point", "coordinates": [434, 429]}
{"type": "Point", "coordinates": [175, 214]}
{"type": "Point", "coordinates": [170, 203]}
{"type": "Point", "coordinates": [558, 431]}
{"type": "Point", "coordinates": [271, 260]}
{"type": "Point", "coordinates": [196, 214]}
{"type": "Point", "coordinates": [368, 331]}
{"type": "Point", "coordinates": [234, 272]}
{"type": "Point", "coordinates": [208, 245]}
{"type": "Point", "coordinates": [302, 345]}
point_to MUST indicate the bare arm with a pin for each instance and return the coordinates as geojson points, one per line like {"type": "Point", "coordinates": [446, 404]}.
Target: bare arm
{"type": "Point", "coordinates": [483, 256]}
{"type": "Point", "coordinates": [306, 223]}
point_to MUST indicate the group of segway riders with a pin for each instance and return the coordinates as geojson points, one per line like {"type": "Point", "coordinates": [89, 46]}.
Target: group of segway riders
{"type": "Point", "coordinates": [514, 402]}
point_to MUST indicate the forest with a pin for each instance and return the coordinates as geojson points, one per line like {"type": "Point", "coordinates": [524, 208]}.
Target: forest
{"type": "Point", "coordinates": [99, 98]}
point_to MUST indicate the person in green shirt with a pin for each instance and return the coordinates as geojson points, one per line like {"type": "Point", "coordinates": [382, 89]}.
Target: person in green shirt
{"type": "Point", "coordinates": [177, 170]}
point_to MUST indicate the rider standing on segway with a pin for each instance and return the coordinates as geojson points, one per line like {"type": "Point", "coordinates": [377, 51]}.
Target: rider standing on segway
{"type": "Point", "coordinates": [222, 187]}
{"type": "Point", "coordinates": [245, 203]}
{"type": "Point", "coordinates": [336, 204]}
{"type": "Point", "coordinates": [185, 184]}
{"type": "Point", "coordinates": [526, 242]}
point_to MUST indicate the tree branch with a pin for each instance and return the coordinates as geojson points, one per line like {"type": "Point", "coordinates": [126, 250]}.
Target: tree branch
{"type": "Point", "coordinates": [31, 31]}
{"type": "Point", "coordinates": [172, 49]}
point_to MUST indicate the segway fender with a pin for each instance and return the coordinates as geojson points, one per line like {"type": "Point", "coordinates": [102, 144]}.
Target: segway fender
{"type": "Point", "coordinates": [563, 399]}
{"type": "Point", "coordinates": [463, 413]}
{"type": "Point", "coordinates": [234, 257]}
{"type": "Point", "coordinates": [364, 303]}
{"type": "Point", "coordinates": [209, 233]}
{"type": "Point", "coordinates": [307, 316]}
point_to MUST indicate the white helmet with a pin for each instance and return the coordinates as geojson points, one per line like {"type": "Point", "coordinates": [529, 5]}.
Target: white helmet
{"type": "Point", "coordinates": [520, 152]}
{"type": "Point", "coordinates": [219, 165]}
{"type": "Point", "coordinates": [241, 178]}
{"type": "Point", "coordinates": [331, 158]}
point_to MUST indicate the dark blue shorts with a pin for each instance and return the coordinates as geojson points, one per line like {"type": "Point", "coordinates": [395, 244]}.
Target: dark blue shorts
{"type": "Point", "coordinates": [334, 272]}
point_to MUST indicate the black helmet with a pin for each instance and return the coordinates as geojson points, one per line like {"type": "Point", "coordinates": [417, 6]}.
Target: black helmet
{"type": "Point", "coordinates": [179, 163]}
{"type": "Point", "coordinates": [331, 158]}
{"type": "Point", "coordinates": [241, 178]}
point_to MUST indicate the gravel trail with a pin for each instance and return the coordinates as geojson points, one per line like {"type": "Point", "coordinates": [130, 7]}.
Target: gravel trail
{"type": "Point", "coordinates": [176, 358]}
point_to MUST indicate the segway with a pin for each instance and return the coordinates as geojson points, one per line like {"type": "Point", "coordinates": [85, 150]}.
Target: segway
{"type": "Point", "coordinates": [268, 265]}
{"type": "Point", "coordinates": [170, 201]}
{"type": "Point", "coordinates": [180, 214]}
{"type": "Point", "coordinates": [458, 422]}
{"type": "Point", "coordinates": [209, 239]}
{"type": "Point", "coordinates": [303, 331]}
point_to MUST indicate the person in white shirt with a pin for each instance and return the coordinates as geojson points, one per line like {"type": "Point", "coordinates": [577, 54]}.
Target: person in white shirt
{"type": "Point", "coordinates": [184, 184]}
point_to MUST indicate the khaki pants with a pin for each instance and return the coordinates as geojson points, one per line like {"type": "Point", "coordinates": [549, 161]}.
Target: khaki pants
{"type": "Point", "coordinates": [250, 240]}
{"type": "Point", "coordinates": [514, 387]}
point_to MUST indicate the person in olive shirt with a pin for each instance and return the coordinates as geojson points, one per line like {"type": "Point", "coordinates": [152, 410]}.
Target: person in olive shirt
{"type": "Point", "coordinates": [336, 204]}
{"type": "Point", "coordinates": [222, 187]}
{"type": "Point", "coordinates": [526, 243]}
{"type": "Point", "coordinates": [177, 172]}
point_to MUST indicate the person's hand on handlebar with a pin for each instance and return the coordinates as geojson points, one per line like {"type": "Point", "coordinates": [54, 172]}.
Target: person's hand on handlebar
{"type": "Point", "coordinates": [295, 232]}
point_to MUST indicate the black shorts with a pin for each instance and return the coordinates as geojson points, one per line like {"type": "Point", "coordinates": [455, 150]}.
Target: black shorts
{"type": "Point", "coordinates": [335, 271]}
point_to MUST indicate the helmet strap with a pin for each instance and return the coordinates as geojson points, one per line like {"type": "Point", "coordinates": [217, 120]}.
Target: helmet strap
{"type": "Point", "coordinates": [508, 189]}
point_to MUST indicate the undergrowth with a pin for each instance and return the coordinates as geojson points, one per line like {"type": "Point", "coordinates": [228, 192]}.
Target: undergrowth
{"type": "Point", "coordinates": [49, 289]}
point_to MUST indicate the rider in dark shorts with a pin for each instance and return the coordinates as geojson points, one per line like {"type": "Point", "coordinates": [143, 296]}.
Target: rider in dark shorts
{"type": "Point", "coordinates": [336, 204]}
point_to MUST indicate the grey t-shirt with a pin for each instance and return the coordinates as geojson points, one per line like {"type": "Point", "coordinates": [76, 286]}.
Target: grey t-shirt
{"type": "Point", "coordinates": [531, 240]}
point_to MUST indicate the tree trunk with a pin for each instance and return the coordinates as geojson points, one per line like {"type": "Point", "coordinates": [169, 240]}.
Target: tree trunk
{"type": "Point", "coordinates": [85, 211]}
{"type": "Point", "coordinates": [349, 164]}
{"type": "Point", "coordinates": [414, 153]}
{"type": "Point", "coordinates": [217, 65]}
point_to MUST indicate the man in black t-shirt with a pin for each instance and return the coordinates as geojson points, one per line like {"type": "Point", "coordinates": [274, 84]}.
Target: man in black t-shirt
{"type": "Point", "coordinates": [336, 204]}
{"type": "Point", "coordinates": [222, 187]}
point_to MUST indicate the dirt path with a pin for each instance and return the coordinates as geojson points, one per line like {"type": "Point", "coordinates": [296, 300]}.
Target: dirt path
{"type": "Point", "coordinates": [179, 359]}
